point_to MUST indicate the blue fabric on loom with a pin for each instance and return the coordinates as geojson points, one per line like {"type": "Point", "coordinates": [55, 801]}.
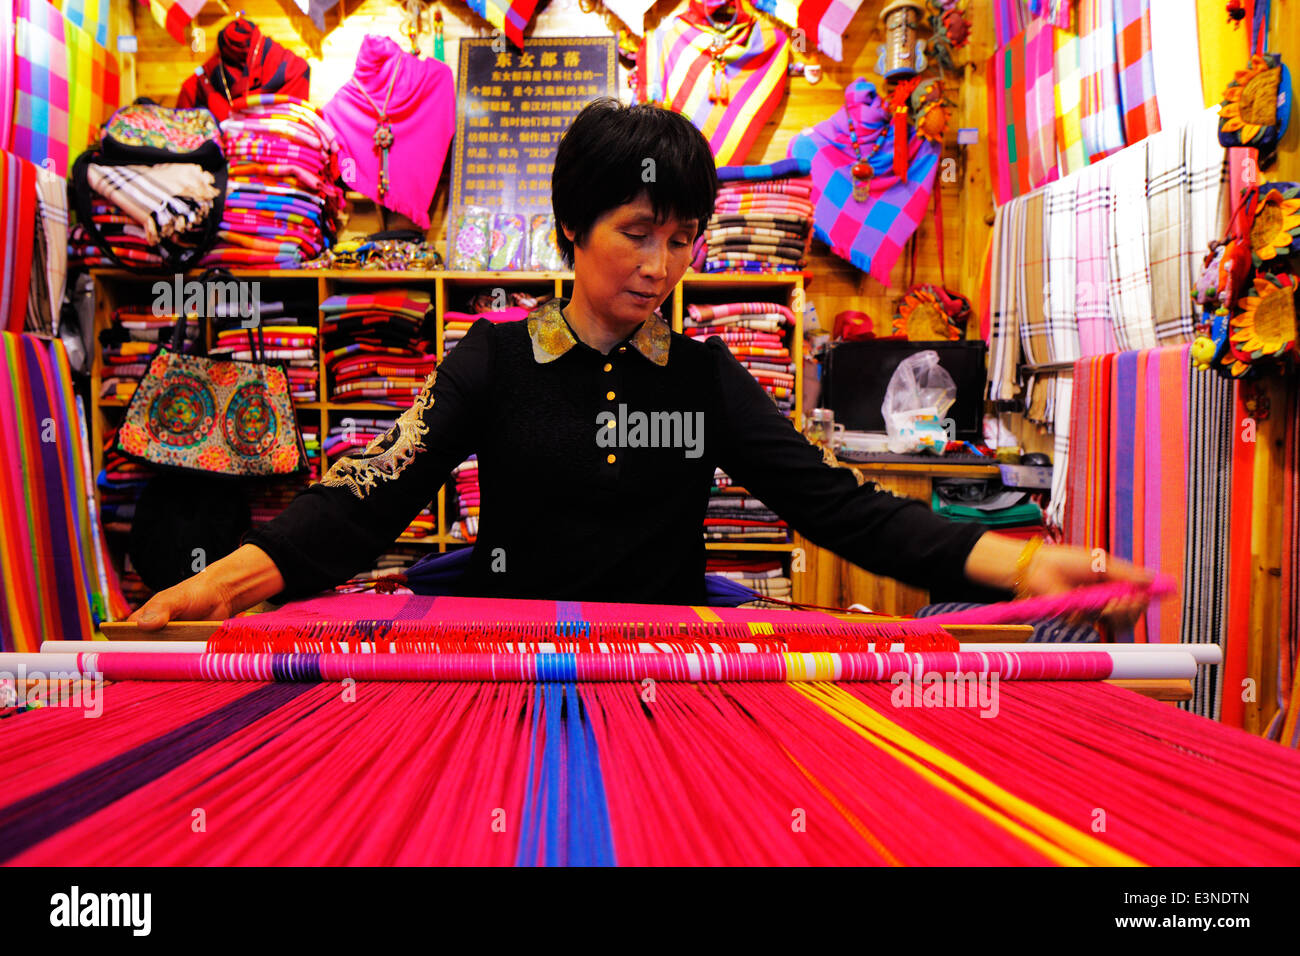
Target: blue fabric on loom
{"type": "Point", "coordinates": [529, 831]}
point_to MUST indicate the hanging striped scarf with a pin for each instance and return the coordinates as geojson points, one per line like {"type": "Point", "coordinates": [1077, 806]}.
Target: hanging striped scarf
{"type": "Point", "coordinates": [1068, 89]}
{"type": "Point", "coordinates": [1040, 103]}
{"type": "Point", "coordinates": [46, 569]}
{"type": "Point", "coordinates": [40, 131]}
{"type": "Point", "coordinates": [17, 232]}
{"type": "Point", "coordinates": [174, 16]}
{"type": "Point", "coordinates": [510, 18]}
{"type": "Point", "coordinates": [8, 71]}
{"type": "Point", "coordinates": [679, 74]}
{"type": "Point", "coordinates": [1100, 119]}
{"type": "Point", "coordinates": [1137, 83]}
{"type": "Point", "coordinates": [1130, 250]}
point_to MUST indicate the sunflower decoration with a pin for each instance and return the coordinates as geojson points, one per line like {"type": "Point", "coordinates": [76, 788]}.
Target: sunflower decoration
{"type": "Point", "coordinates": [929, 314]}
{"type": "Point", "coordinates": [1266, 326]}
{"type": "Point", "coordinates": [1276, 230]}
{"type": "Point", "coordinates": [1249, 106]}
{"type": "Point", "coordinates": [931, 110]}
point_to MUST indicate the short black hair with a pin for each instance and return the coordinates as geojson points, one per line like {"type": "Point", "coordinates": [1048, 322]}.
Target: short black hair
{"type": "Point", "coordinates": [601, 164]}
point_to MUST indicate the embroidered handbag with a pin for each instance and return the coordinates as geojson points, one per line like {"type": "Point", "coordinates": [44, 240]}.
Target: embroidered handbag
{"type": "Point", "coordinates": [198, 414]}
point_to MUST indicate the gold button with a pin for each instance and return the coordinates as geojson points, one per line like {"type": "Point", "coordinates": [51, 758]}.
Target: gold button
{"type": "Point", "coordinates": [609, 424]}
{"type": "Point", "coordinates": [610, 458]}
{"type": "Point", "coordinates": [622, 348]}
{"type": "Point", "coordinates": [608, 367]}
{"type": "Point", "coordinates": [610, 396]}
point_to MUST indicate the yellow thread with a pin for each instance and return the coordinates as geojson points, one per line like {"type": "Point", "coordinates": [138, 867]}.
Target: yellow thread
{"type": "Point", "coordinates": [759, 627]}
{"type": "Point", "coordinates": [1058, 841]}
{"type": "Point", "coordinates": [848, 814]}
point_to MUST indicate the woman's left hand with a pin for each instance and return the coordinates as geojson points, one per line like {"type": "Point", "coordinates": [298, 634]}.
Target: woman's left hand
{"type": "Point", "coordinates": [1055, 569]}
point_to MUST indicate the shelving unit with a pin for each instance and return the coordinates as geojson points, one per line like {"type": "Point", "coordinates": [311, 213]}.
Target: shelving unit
{"type": "Point", "coordinates": [116, 287]}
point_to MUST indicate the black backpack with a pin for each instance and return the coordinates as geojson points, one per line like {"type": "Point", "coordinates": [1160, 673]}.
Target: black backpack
{"type": "Point", "coordinates": [146, 134]}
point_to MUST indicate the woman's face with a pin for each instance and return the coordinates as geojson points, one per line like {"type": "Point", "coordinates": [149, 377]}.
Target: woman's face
{"type": "Point", "coordinates": [627, 253]}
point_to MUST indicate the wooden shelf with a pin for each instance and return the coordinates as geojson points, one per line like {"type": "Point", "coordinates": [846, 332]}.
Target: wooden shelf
{"type": "Point", "coordinates": [114, 287]}
{"type": "Point", "coordinates": [749, 545]}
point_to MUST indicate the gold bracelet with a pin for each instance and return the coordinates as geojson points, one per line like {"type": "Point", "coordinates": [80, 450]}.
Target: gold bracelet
{"type": "Point", "coordinates": [1022, 564]}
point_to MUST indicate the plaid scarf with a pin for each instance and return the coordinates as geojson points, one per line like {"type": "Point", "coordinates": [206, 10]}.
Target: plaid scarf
{"type": "Point", "coordinates": [870, 234]}
{"type": "Point", "coordinates": [1137, 83]}
{"type": "Point", "coordinates": [1130, 250]}
{"type": "Point", "coordinates": [40, 122]}
{"type": "Point", "coordinates": [1167, 201]}
{"type": "Point", "coordinates": [1100, 113]}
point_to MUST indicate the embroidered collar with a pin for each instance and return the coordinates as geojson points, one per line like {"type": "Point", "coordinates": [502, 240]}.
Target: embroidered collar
{"type": "Point", "coordinates": [552, 336]}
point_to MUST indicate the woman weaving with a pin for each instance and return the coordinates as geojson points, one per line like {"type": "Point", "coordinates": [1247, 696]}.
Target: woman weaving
{"type": "Point", "coordinates": [565, 513]}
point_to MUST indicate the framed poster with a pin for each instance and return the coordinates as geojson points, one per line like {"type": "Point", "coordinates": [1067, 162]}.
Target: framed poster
{"type": "Point", "coordinates": [512, 108]}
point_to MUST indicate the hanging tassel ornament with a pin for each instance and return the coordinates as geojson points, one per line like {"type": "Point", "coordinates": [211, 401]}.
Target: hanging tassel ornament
{"type": "Point", "coordinates": [719, 88]}
{"type": "Point", "coordinates": [439, 51]}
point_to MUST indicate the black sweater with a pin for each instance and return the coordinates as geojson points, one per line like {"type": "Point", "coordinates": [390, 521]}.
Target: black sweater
{"type": "Point", "coordinates": [572, 509]}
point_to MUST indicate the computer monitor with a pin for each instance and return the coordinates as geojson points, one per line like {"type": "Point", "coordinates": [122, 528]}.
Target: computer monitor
{"type": "Point", "coordinates": [856, 375]}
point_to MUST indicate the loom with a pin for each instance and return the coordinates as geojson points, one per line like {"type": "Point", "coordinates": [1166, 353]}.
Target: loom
{"type": "Point", "coordinates": [533, 732]}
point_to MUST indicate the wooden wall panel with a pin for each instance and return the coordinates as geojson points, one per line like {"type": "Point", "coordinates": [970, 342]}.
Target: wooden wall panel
{"type": "Point", "coordinates": [162, 65]}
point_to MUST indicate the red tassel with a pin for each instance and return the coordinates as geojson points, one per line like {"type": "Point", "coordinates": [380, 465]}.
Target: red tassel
{"type": "Point", "coordinates": [900, 143]}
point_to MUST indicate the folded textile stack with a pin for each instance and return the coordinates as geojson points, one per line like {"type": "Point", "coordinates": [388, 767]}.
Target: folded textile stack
{"type": "Point", "coordinates": [733, 514]}
{"type": "Point", "coordinates": [455, 325]}
{"type": "Point", "coordinates": [393, 561]}
{"type": "Point", "coordinates": [120, 482]}
{"type": "Point", "coordinates": [755, 332]}
{"type": "Point", "coordinates": [762, 219]}
{"type": "Point", "coordinates": [348, 435]}
{"type": "Point", "coordinates": [131, 337]}
{"type": "Point", "coordinates": [986, 501]}
{"type": "Point", "coordinates": [374, 347]}
{"type": "Point", "coordinates": [282, 205]}
{"type": "Point", "coordinates": [266, 499]}
{"type": "Point", "coordinates": [123, 234]}
{"type": "Point", "coordinates": [767, 576]}
{"type": "Point", "coordinates": [464, 530]}
{"type": "Point", "coordinates": [167, 200]}
{"type": "Point", "coordinates": [283, 340]}
{"type": "Point", "coordinates": [465, 476]}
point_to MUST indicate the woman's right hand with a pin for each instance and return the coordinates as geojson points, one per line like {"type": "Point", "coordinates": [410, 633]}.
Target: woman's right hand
{"type": "Point", "coordinates": [199, 598]}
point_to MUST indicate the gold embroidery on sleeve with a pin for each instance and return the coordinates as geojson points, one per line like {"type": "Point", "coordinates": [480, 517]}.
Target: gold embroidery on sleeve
{"type": "Point", "coordinates": [388, 455]}
{"type": "Point", "coordinates": [829, 458]}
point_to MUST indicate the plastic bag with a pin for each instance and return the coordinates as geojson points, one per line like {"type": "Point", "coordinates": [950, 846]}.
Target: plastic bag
{"type": "Point", "coordinates": [918, 397]}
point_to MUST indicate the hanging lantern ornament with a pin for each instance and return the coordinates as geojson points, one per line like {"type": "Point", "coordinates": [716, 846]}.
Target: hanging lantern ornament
{"type": "Point", "coordinates": [902, 54]}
